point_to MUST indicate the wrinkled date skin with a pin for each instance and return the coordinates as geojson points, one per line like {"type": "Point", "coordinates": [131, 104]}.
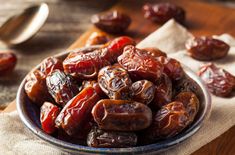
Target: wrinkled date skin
{"type": "Point", "coordinates": [36, 88]}
{"type": "Point", "coordinates": [111, 139]}
{"type": "Point", "coordinates": [50, 64]}
{"type": "Point", "coordinates": [111, 22]}
{"type": "Point", "coordinates": [116, 46]}
{"type": "Point", "coordinates": [77, 111]}
{"type": "Point", "coordinates": [206, 48]}
{"type": "Point", "coordinates": [7, 62]}
{"type": "Point", "coordinates": [85, 66]}
{"type": "Point", "coordinates": [162, 12]}
{"type": "Point", "coordinates": [139, 64]}
{"type": "Point", "coordinates": [163, 92]}
{"type": "Point", "coordinates": [172, 68]}
{"type": "Point", "coordinates": [170, 120]}
{"type": "Point", "coordinates": [93, 84]}
{"type": "Point", "coordinates": [97, 38]}
{"type": "Point", "coordinates": [191, 103]}
{"type": "Point", "coordinates": [143, 91]}
{"type": "Point", "coordinates": [121, 115]}
{"type": "Point", "coordinates": [219, 81]}
{"type": "Point", "coordinates": [154, 52]}
{"type": "Point", "coordinates": [48, 114]}
{"type": "Point", "coordinates": [115, 82]}
{"type": "Point", "coordinates": [61, 87]}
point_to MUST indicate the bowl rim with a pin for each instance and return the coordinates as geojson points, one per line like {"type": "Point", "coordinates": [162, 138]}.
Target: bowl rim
{"type": "Point", "coordinates": [159, 146]}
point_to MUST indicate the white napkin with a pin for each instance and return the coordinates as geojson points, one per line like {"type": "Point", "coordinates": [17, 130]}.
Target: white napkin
{"type": "Point", "coordinates": [16, 139]}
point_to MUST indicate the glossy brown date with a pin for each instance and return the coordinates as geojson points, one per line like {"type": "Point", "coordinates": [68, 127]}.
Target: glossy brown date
{"type": "Point", "coordinates": [172, 68]}
{"type": "Point", "coordinates": [155, 52]}
{"type": "Point", "coordinates": [7, 62]}
{"type": "Point", "coordinates": [35, 87]}
{"type": "Point", "coordinates": [111, 22]}
{"type": "Point", "coordinates": [190, 102]}
{"type": "Point", "coordinates": [111, 139]}
{"type": "Point", "coordinates": [206, 48]}
{"type": "Point", "coordinates": [61, 87]}
{"type": "Point", "coordinates": [143, 91]}
{"type": "Point", "coordinates": [115, 82]}
{"type": "Point", "coordinates": [170, 120]}
{"type": "Point", "coordinates": [50, 64]}
{"type": "Point", "coordinates": [163, 92]}
{"type": "Point", "coordinates": [121, 115]}
{"type": "Point", "coordinates": [77, 111]}
{"type": "Point", "coordinates": [48, 114]}
{"type": "Point", "coordinates": [86, 65]}
{"type": "Point", "coordinates": [139, 64]}
{"type": "Point", "coordinates": [162, 12]}
{"type": "Point", "coordinates": [97, 38]}
{"type": "Point", "coordinates": [219, 81]}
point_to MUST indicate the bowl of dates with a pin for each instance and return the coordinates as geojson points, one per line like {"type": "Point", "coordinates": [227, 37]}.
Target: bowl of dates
{"type": "Point", "coordinates": [113, 99]}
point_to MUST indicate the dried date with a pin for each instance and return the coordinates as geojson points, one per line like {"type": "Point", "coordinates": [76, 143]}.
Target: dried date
{"type": "Point", "coordinates": [190, 102]}
{"type": "Point", "coordinates": [139, 64]}
{"type": "Point", "coordinates": [206, 48]}
{"type": "Point", "coordinates": [162, 12]}
{"type": "Point", "coordinates": [35, 87]}
{"type": "Point", "coordinates": [111, 22]}
{"type": "Point", "coordinates": [48, 114]}
{"type": "Point", "coordinates": [50, 64]}
{"type": "Point", "coordinates": [155, 52]}
{"type": "Point", "coordinates": [93, 84]}
{"type": "Point", "coordinates": [170, 120]}
{"type": "Point", "coordinates": [172, 68]}
{"type": "Point", "coordinates": [97, 38]}
{"type": "Point", "coordinates": [143, 91]}
{"type": "Point", "coordinates": [121, 115]}
{"type": "Point", "coordinates": [219, 81]}
{"type": "Point", "coordinates": [163, 92]}
{"type": "Point", "coordinates": [115, 82]}
{"type": "Point", "coordinates": [7, 62]}
{"type": "Point", "coordinates": [61, 87]}
{"type": "Point", "coordinates": [111, 139]}
{"type": "Point", "coordinates": [77, 111]}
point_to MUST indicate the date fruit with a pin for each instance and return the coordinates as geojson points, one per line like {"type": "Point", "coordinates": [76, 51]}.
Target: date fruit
{"type": "Point", "coordinates": [139, 64]}
{"type": "Point", "coordinates": [162, 12]}
{"type": "Point", "coordinates": [163, 92]}
{"type": "Point", "coordinates": [110, 139]}
{"type": "Point", "coordinates": [190, 102]}
{"type": "Point", "coordinates": [155, 52]}
{"type": "Point", "coordinates": [170, 120]}
{"type": "Point", "coordinates": [115, 82]}
{"type": "Point", "coordinates": [97, 38]}
{"type": "Point", "coordinates": [61, 87]}
{"type": "Point", "coordinates": [143, 91]}
{"type": "Point", "coordinates": [50, 64]}
{"type": "Point", "coordinates": [93, 84]}
{"type": "Point", "coordinates": [35, 87]}
{"type": "Point", "coordinates": [77, 111]}
{"type": "Point", "coordinates": [111, 22]}
{"type": "Point", "coordinates": [48, 114]}
{"type": "Point", "coordinates": [219, 81]}
{"type": "Point", "coordinates": [121, 115]}
{"type": "Point", "coordinates": [86, 66]}
{"type": "Point", "coordinates": [172, 68]}
{"type": "Point", "coordinates": [206, 48]}
{"type": "Point", "coordinates": [7, 62]}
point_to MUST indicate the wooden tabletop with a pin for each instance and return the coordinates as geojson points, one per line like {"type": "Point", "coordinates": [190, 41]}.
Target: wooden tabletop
{"type": "Point", "coordinates": [198, 22]}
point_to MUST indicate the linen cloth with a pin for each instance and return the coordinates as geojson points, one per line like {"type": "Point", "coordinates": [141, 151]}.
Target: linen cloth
{"type": "Point", "coordinates": [16, 139]}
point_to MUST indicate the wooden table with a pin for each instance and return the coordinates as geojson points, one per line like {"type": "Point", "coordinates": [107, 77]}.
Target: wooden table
{"type": "Point", "coordinates": [222, 145]}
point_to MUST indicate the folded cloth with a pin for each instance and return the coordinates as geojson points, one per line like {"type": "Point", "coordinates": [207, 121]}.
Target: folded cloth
{"type": "Point", "coordinates": [16, 139]}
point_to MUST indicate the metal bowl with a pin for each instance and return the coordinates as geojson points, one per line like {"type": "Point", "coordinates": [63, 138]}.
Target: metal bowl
{"type": "Point", "coordinates": [29, 114]}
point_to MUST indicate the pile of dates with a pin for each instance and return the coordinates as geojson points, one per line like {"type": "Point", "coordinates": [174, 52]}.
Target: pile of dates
{"type": "Point", "coordinates": [113, 95]}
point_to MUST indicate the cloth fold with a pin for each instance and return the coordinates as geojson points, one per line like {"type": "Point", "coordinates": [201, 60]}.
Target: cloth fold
{"type": "Point", "coordinates": [16, 139]}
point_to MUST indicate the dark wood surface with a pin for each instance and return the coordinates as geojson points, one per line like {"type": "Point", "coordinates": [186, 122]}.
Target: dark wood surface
{"type": "Point", "coordinates": [202, 19]}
